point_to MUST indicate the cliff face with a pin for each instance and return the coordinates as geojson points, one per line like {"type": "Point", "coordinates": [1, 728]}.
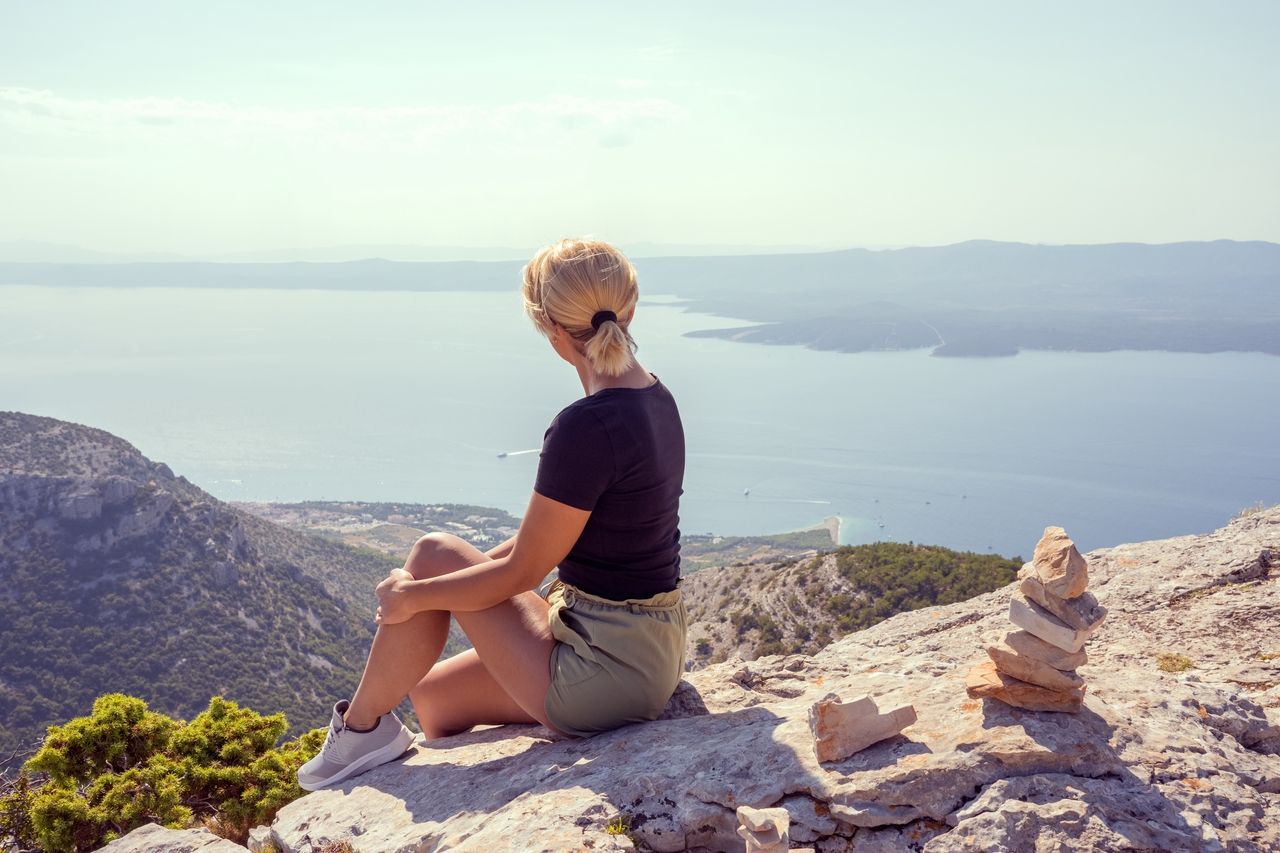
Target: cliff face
{"type": "Point", "coordinates": [115, 575]}
{"type": "Point", "coordinates": [1157, 759]}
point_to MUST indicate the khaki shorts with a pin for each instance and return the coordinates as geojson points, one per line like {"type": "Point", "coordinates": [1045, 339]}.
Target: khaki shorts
{"type": "Point", "coordinates": [615, 662]}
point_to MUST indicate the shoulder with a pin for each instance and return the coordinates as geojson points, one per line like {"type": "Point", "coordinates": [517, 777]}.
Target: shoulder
{"type": "Point", "coordinates": [577, 418]}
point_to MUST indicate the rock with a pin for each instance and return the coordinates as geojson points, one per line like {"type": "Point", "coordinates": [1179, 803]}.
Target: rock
{"type": "Point", "coordinates": [262, 840]}
{"type": "Point", "coordinates": [1083, 612]}
{"type": "Point", "coordinates": [153, 838]}
{"type": "Point", "coordinates": [1035, 619]}
{"type": "Point", "coordinates": [146, 518]}
{"type": "Point", "coordinates": [118, 490]}
{"type": "Point", "coordinates": [987, 682]}
{"type": "Point", "coordinates": [840, 730]}
{"type": "Point", "coordinates": [764, 830]}
{"type": "Point", "coordinates": [810, 819]}
{"type": "Point", "coordinates": [1063, 812]}
{"type": "Point", "coordinates": [1029, 645]}
{"type": "Point", "coordinates": [1151, 761]}
{"type": "Point", "coordinates": [80, 505]}
{"type": "Point", "coordinates": [1058, 564]}
{"type": "Point", "coordinates": [1032, 671]}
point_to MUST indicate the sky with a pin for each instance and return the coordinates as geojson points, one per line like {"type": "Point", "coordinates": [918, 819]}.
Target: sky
{"type": "Point", "coordinates": [241, 126]}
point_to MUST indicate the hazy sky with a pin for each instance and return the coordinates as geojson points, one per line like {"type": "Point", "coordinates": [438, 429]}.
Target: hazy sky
{"type": "Point", "coordinates": [227, 126]}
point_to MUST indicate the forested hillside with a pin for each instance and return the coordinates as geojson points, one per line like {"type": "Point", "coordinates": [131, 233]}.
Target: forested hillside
{"type": "Point", "coordinates": [117, 576]}
{"type": "Point", "coordinates": [801, 605]}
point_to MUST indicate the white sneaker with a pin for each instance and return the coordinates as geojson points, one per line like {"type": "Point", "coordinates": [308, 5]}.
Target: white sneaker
{"type": "Point", "coordinates": [348, 753]}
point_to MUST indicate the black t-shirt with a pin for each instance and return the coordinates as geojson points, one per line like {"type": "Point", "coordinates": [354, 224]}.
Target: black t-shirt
{"type": "Point", "coordinates": [620, 453]}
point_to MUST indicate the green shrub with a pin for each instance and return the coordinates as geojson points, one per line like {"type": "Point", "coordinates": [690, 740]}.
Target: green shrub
{"type": "Point", "coordinates": [95, 778]}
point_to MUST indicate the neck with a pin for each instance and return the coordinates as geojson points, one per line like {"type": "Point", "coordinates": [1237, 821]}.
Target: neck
{"type": "Point", "coordinates": [634, 377]}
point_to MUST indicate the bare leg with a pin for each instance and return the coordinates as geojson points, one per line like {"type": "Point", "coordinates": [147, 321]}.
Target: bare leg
{"type": "Point", "coordinates": [460, 693]}
{"type": "Point", "coordinates": [513, 646]}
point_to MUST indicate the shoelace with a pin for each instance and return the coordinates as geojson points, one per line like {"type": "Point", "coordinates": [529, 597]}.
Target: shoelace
{"type": "Point", "coordinates": [332, 749]}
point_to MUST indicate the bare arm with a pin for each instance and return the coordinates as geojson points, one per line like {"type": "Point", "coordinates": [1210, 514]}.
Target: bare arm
{"type": "Point", "coordinates": [501, 550]}
{"type": "Point", "coordinates": [547, 532]}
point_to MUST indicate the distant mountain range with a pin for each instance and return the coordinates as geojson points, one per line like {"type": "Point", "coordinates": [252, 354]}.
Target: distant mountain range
{"type": "Point", "coordinates": [14, 251]}
{"type": "Point", "coordinates": [975, 298]}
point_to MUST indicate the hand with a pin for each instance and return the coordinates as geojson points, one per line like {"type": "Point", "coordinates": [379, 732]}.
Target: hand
{"type": "Point", "coordinates": [394, 604]}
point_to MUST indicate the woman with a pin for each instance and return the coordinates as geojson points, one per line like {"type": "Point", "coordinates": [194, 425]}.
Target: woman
{"type": "Point", "coordinates": [605, 646]}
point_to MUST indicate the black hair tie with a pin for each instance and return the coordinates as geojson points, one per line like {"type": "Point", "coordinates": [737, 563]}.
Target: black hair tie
{"type": "Point", "coordinates": [600, 316]}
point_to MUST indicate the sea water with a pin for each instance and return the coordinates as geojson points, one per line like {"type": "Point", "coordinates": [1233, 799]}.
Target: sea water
{"type": "Point", "coordinates": [326, 395]}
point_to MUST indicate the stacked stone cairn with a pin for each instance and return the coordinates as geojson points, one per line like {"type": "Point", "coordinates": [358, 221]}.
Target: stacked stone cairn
{"type": "Point", "coordinates": [1034, 667]}
{"type": "Point", "coordinates": [767, 831]}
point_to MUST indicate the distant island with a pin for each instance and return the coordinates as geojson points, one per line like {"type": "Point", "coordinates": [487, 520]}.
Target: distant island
{"type": "Point", "coordinates": [983, 298]}
{"type": "Point", "coordinates": [979, 298]}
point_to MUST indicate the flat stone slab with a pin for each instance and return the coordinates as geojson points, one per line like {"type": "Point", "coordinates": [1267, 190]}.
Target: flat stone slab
{"type": "Point", "coordinates": [765, 830]}
{"type": "Point", "coordinates": [1032, 671]}
{"type": "Point", "coordinates": [986, 682]}
{"type": "Point", "coordinates": [1083, 612]}
{"type": "Point", "coordinates": [1029, 645]}
{"type": "Point", "coordinates": [1029, 616]}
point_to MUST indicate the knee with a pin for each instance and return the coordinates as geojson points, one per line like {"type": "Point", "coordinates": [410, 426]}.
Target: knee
{"type": "Point", "coordinates": [436, 554]}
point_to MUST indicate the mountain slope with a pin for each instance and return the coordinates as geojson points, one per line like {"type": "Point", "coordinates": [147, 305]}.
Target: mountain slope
{"type": "Point", "coordinates": [115, 575]}
{"type": "Point", "coordinates": [801, 605]}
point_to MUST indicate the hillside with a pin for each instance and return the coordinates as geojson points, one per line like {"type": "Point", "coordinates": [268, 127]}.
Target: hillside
{"type": "Point", "coordinates": [800, 605]}
{"type": "Point", "coordinates": [119, 576]}
{"type": "Point", "coordinates": [1161, 757]}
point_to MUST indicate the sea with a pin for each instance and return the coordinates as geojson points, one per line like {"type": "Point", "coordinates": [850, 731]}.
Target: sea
{"type": "Point", "coordinates": [444, 397]}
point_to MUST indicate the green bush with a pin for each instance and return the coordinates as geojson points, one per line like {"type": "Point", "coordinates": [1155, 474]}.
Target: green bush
{"type": "Point", "coordinates": [892, 577]}
{"type": "Point", "coordinates": [96, 778]}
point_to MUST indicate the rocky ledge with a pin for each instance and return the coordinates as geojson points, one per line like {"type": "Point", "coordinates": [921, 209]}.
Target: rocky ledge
{"type": "Point", "coordinates": [1176, 747]}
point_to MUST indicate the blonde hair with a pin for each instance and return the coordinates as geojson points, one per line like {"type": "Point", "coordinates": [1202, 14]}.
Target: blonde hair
{"type": "Point", "coordinates": [569, 281]}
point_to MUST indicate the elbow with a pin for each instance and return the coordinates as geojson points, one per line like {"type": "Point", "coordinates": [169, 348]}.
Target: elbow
{"type": "Point", "coordinates": [526, 577]}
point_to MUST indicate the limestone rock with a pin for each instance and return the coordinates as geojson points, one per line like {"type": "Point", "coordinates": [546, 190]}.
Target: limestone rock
{"type": "Point", "coordinates": [153, 838]}
{"type": "Point", "coordinates": [765, 830]}
{"type": "Point", "coordinates": [1059, 565]}
{"type": "Point", "coordinates": [1032, 671]}
{"type": "Point", "coordinates": [1083, 612]}
{"type": "Point", "coordinates": [987, 682]}
{"type": "Point", "coordinates": [1152, 761]}
{"type": "Point", "coordinates": [840, 729]}
{"type": "Point", "coordinates": [80, 505]}
{"type": "Point", "coordinates": [1033, 618]}
{"type": "Point", "coordinates": [260, 840]}
{"type": "Point", "coordinates": [1029, 645]}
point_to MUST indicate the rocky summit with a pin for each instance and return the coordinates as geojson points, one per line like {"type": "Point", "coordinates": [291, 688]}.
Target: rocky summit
{"type": "Point", "coordinates": [1159, 757]}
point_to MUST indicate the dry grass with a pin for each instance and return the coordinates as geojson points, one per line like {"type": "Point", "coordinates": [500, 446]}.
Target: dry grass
{"type": "Point", "coordinates": [1253, 509]}
{"type": "Point", "coordinates": [1173, 662]}
{"type": "Point", "coordinates": [337, 847]}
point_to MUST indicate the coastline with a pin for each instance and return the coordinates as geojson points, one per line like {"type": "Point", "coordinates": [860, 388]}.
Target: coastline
{"type": "Point", "coordinates": [832, 525]}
